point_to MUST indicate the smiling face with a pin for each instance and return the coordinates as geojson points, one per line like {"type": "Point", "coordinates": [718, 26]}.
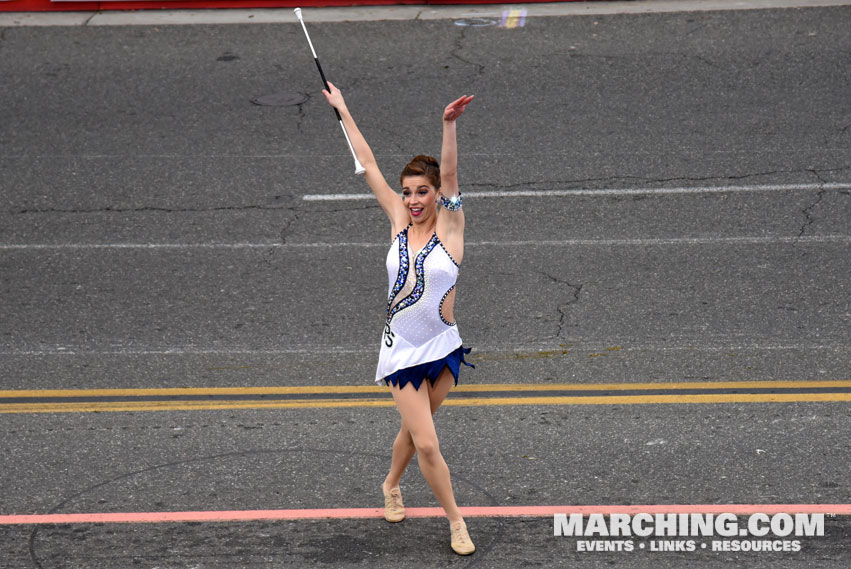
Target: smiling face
{"type": "Point", "coordinates": [420, 197]}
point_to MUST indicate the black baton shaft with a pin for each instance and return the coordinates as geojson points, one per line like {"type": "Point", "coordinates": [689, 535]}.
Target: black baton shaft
{"type": "Point", "coordinates": [325, 82]}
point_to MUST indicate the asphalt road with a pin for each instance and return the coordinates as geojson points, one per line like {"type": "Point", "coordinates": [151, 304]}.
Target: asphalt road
{"type": "Point", "coordinates": [154, 234]}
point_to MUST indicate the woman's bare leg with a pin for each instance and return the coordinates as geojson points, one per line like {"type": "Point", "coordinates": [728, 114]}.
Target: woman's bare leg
{"type": "Point", "coordinates": [415, 407]}
{"type": "Point", "coordinates": [403, 452]}
{"type": "Point", "coordinates": [403, 447]}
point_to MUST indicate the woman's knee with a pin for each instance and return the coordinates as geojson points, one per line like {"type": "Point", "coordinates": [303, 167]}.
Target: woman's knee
{"type": "Point", "coordinates": [427, 447]}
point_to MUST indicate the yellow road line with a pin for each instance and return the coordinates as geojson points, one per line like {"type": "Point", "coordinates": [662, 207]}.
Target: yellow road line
{"type": "Point", "coordinates": [130, 406]}
{"type": "Point", "coordinates": [177, 391]}
{"type": "Point", "coordinates": [469, 388]}
{"type": "Point", "coordinates": [667, 385]}
{"type": "Point", "coordinates": [645, 399]}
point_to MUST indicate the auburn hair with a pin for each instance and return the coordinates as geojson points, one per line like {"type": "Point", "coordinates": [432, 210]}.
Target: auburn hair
{"type": "Point", "coordinates": [425, 166]}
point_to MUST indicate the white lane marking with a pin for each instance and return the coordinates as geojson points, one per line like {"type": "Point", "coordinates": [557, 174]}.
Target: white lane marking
{"type": "Point", "coordinates": [312, 350]}
{"type": "Point", "coordinates": [15, 246]}
{"type": "Point", "coordinates": [526, 243]}
{"type": "Point", "coordinates": [72, 351]}
{"type": "Point", "coordinates": [611, 191]}
{"type": "Point", "coordinates": [246, 245]}
{"type": "Point", "coordinates": [669, 241]}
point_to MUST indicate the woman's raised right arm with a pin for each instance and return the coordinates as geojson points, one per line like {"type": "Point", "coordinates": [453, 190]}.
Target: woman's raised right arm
{"type": "Point", "coordinates": [387, 198]}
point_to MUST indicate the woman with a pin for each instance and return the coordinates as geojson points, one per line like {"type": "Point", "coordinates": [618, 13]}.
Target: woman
{"type": "Point", "coordinates": [420, 339]}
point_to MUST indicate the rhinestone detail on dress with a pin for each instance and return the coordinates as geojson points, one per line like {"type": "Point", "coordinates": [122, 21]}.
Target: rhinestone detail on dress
{"type": "Point", "coordinates": [403, 269]}
{"type": "Point", "coordinates": [440, 307]}
{"type": "Point", "coordinates": [417, 293]}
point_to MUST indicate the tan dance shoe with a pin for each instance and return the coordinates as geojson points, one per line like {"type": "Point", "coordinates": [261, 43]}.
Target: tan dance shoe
{"type": "Point", "coordinates": [394, 509]}
{"type": "Point", "coordinates": [461, 542]}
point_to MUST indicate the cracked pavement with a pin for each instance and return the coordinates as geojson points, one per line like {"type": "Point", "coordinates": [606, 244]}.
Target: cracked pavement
{"type": "Point", "coordinates": [618, 103]}
{"type": "Point", "coordinates": [572, 292]}
{"type": "Point", "coordinates": [459, 47]}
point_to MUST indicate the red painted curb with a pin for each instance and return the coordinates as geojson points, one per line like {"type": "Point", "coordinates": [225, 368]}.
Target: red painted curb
{"type": "Point", "coordinates": [82, 6]}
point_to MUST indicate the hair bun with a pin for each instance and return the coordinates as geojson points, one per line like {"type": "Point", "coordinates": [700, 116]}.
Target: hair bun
{"type": "Point", "coordinates": [422, 165]}
{"type": "Point", "coordinates": [430, 160]}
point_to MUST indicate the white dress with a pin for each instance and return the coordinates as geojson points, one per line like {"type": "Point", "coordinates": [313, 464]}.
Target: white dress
{"type": "Point", "coordinates": [416, 330]}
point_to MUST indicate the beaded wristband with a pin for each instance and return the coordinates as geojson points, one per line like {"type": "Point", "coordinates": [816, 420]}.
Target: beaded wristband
{"type": "Point", "coordinates": [452, 204]}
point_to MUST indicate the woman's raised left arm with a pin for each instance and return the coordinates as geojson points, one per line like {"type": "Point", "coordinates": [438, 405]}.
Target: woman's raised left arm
{"type": "Point", "coordinates": [449, 164]}
{"type": "Point", "coordinates": [449, 151]}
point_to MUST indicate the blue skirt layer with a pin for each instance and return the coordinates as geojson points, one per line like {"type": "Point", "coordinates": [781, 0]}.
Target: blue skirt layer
{"type": "Point", "coordinates": [431, 370]}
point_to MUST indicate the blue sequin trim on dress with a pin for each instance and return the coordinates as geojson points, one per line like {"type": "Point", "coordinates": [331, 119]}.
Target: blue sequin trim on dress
{"type": "Point", "coordinates": [430, 370]}
{"type": "Point", "coordinates": [417, 293]}
{"type": "Point", "coordinates": [402, 276]}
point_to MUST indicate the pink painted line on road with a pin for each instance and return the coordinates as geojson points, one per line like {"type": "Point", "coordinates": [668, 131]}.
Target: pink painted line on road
{"type": "Point", "coordinates": [739, 509]}
{"type": "Point", "coordinates": [470, 511]}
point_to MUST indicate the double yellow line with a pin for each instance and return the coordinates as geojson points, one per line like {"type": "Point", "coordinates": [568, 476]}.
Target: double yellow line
{"type": "Point", "coordinates": [195, 399]}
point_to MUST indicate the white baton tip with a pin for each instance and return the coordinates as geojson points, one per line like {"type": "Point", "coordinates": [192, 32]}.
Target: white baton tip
{"type": "Point", "coordinates": [297, 13]}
